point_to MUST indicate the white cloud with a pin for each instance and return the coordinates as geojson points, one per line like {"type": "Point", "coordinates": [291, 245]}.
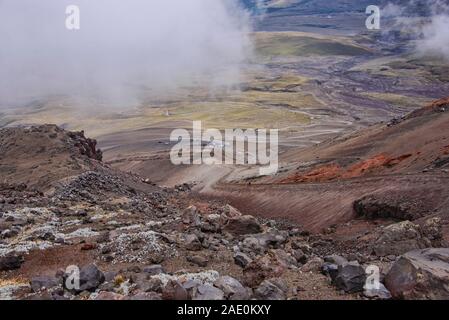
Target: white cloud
{"type": "Point", "coordinates": [122, 46]}
{"type": "Point", "coordinates": [428, 20]}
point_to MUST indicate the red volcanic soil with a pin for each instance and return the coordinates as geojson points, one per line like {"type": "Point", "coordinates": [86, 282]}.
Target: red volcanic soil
{"type": "Point", "coordinates": [334, 171]}
{"type": "Point", "coordinates": [419, 142]}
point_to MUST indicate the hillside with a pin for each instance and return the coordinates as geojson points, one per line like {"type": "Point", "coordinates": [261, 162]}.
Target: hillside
{"type": "Point", "coordinates": [133, 240]}
{"type": "Point", "coordinates": [396, 170]}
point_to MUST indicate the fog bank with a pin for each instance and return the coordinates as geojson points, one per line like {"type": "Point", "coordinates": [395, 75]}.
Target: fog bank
{"type": "Point", "coordinates": [428, 20]}
{"type": "Point", "coordinates": [124, 51]}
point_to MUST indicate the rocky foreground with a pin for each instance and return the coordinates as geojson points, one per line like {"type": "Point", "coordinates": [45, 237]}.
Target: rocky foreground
{"type": "Point", "coordinates": [61, 208]}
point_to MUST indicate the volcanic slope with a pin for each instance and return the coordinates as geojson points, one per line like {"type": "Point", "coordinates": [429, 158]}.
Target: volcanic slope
{"type": "Point", "coordinates": [397, 170]}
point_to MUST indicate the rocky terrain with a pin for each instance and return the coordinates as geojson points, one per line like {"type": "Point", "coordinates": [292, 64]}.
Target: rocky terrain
{"type": "Point", "coordinates": [361, 193]}
{"type": "Point", "coordinates": [61, 209]}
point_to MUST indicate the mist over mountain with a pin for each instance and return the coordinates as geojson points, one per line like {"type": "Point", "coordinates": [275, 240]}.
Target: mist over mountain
{"type": "Point", "coordinates": [123, 50]}
{"type": "Point", "coordinates": [427, 21]}
{"type": "Point", "coordinates": [424, 20]}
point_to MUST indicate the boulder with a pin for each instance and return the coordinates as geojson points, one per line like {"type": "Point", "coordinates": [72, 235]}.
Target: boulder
{"type": "Point", "coordinates": [432, 229]}
{"type": "Point", "coordinates": [400, 238]}
{"type": "Point", "coordinates": [108, 276]}
{"type": "Point", "coordinates": [285, 259]}
{"type": "Point", "coordinates": [190, 216]}
{"type": "Point", "coordinates": [232, 288]}
{"type": "Point", "coordinates": [191, 286]}
{"type": "Point", "coordinates": [273, 289]}
{"type": "Point", "coordinates": [351, 277]}
{"type": "Point", "coordinates": [192, 243]}
{"type": "Point", "coordinates": [330, 270]}
{"type": "Point", "coordinates": [243, 225]}
{"type": "Point", "coordinates": [242, 259]}
{"type": "Point", "coordinates": [252, 245]}
{"type": "Point", "coordinates": [272, 239]}
{"type": "Point", "coordinates": [200, 261]}
{"type": "Point", "coordinates": [313, 264]}
{"type": "Point", "coordinates": [301, 245]}
{"type": "Point", "coordinates": [90, 278]}
{"type": "Point", "coordinates": [212, 223]}
{"type": "Point", "coordinates": [150, 285]}
{"type": "Point", "coordinates": [174, 291]}
{"type": "Point", "coordinates": [262, 268]}
{"type": "Point", "coordinates": [420, 274]}
{"type": "Point", "coordinates": [208, 292]}
{"type": "Point", "coordinates": [398, 205]}
{"type": "Point", "coordinates": [300, 256]}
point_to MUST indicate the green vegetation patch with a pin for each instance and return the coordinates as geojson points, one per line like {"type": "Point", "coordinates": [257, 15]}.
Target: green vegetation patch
{"type": "Point", "coordinates": [287, 44]}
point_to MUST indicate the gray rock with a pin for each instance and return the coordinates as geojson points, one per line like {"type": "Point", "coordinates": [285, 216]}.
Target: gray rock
{"type": "Point", "coordinates": [432, 229]}
{"type": "Point", "coordinates": [107, 286]}
{"type": "Point", "coordinates": [251, 245]}
{"type": "Point", "coordinates": [313, 264]}
{"type": "Point", "coordinates": [420, 274]}
{"type": "Point", "coordinates": [301, 245]}
{"type": "Point", "coordinates": [270, 290]}
{"type": "Point", "coordinates": [285, 259]}
{"type": "Point", "coordinates": [232, 288]}
{"type": "Point", "coordinates": [109, 276]}
{"type": "Point", "coordinates": [212, 223]}
{"type": "Point", "coordinates": [151, 285]}
{"type": "Point", "coordinates": [243, 225]}
{"type": "Point", "coordinates": [351, 277]}
{"type": "Point", "coordinates": [262, 268]}
{"type": "Point", "coordinates": [272, 239]}
{"type": "Point", "coordinates": [90, 279]}
{"type": "Point", "coordinates": [300, 256]}
{"type": "Point", "coordinates": [330, 270]}
{"type": "Point", "coordinates": [200, 261]}
{"type": "Point", "coordinates": [191, 286]}
{"type": "Point", "coordinates": [208, 292]}
{"type": "Point", "coordinates": [174, 291]}
{"type": "Point", "coordinates": [191, 216]}
{"type": "Point", "coordinates": [400, 238]}
{"type": "Point", "coordinates": [242, 259]}
{"type": "Point", "coordinates": [192, 243]}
